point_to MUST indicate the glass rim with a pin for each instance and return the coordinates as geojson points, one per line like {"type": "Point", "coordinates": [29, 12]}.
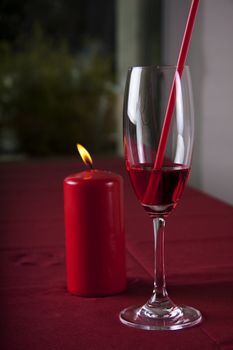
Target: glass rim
{"type": "Point", "coordinates": [157, 66]}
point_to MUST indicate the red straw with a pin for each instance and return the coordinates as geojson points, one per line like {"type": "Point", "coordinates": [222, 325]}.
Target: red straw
{"type": "Point", "coordinates": [153, 182]}
{"type": "Point", "coordinates": [172, 98]}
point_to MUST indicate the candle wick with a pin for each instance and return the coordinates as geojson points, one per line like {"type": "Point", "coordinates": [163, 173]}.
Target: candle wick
{"type": "Point", "coordinates": [90, 165]}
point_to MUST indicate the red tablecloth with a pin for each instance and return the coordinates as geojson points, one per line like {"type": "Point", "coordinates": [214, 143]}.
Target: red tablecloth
{"type": "Point", "coordinates": [38, 313]}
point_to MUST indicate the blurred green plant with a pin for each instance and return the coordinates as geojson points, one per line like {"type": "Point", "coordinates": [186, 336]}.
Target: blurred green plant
{"type": "Point", "coordinates": [52, 99]}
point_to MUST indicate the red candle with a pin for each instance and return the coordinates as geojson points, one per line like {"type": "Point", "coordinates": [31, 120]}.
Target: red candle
{"type": "Point", "coordinates": [95, 251]}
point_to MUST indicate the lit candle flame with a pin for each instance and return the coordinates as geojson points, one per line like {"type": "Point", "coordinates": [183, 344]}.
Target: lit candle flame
{"type": "Point", "coordinates": [85, 155]}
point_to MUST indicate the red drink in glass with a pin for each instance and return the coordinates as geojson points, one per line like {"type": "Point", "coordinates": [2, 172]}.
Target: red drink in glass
{"type": "Point", "coordinates": [166, 185]}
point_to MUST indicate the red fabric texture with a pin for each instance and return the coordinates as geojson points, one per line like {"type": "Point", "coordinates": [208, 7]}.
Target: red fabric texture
{"type": "Point", "coordinates": [37, 312]}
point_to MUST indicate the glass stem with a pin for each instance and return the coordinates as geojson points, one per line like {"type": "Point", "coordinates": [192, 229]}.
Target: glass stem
{"type": "Point", "coordinates": [159, 292]}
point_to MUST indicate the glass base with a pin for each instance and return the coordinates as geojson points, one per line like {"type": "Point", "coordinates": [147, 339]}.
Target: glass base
{"type": "Point", "coordinates": [151, 318]}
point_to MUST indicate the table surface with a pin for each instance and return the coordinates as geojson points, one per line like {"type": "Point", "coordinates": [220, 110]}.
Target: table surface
{"type": "Point", "coordinates": [37, 312]}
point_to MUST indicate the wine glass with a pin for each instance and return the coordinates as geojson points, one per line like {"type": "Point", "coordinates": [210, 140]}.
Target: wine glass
{"type": "Point", "coordinates": [158, 189]}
